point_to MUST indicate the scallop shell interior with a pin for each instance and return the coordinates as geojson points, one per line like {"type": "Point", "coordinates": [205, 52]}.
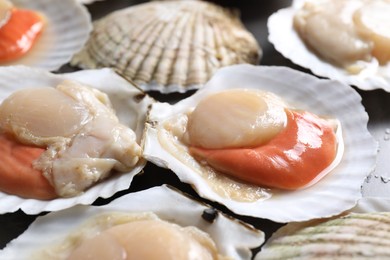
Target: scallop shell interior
{"type": "Point", "coordinates": [232, 238]}
{"type": "Point", "coordinates": [335, 238]}
{"type": "Point", "coordinates": [62, 36]}
{"type": "Point", "coordinates": [129, 103]}
{"type": "Point", "coordinates": [169, 46]}
{"type": "Point", "coordinates": [338, 191]}
{"type": "Point", "coordinates": [287, 41]}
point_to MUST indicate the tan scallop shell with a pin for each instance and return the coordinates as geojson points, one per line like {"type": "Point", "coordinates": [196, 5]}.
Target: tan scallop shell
{"type": "Point", "coordinates": [169, 46]}
{"type": "Point", "coordinates": [360, 235]}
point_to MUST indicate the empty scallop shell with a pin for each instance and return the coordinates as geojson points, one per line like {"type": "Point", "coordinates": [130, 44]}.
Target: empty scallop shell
{"type": "Point", "coordinates": [361, 233]}
{"type": "Point", "coordinates": [129, 103]}
{"type": "Point", "coordinates": [169, 46]}
{"type": "Point", "coordinates": [232, 238]}
{"type": "Point", "coordinates": [287, 41]}
{"type": "Point", "coordinates": [337, 191]}
{"type": "Point", "coordinates": [67, 28]}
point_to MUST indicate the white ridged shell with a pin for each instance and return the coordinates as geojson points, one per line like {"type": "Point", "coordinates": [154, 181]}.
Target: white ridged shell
{"type": "Point", "coordinates": [130, 108]}
{"type": "Point", "coordinates": [287, 41]}
{"type": "Point", "coordinates": [338, 191]}
{"type": "Point", "coordinates": [67, 28]}
{"type": "Point", "coordinates": [363, 235]}
{"type": "Point", "coordinates": [232, 238]}
{"type": "Point", "coordinates": [169, 46]}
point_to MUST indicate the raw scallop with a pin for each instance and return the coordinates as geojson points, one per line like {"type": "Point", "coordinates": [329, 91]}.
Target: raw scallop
{"type": "Point", "coordinates": [84, 139]}
{"type": "Point", "coordinates": [339, 189]}
{"type": "Point", "coordinates": [61, 38]}
{"type": "Point", "coordinates": [366, 68]}
{"type": "Point", "coordinates": [129, 103]}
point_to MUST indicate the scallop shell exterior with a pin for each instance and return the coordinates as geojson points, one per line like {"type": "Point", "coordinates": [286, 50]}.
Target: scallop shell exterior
{"type": "Point", "coordinates": [338, 191]}
{"type": "Point", "coordinates": [287, 41]}
{"type": "Point", "coordinates": [68, 25]}
{"type": "Point", "coordinates": [169, 46]}
{"type": "Point", "coordinates": [362, 234]}
{"type": "Point", "coordinates": [129, 103]}
{"type": "Point", "coordinates": [233, 238]}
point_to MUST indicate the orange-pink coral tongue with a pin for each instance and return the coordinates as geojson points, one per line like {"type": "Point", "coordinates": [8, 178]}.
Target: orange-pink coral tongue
{"type": "Point", "coordinates": [18, 35]}
{"type": "Point", "coordinates": [17, 176]}
{"type": "Point", "coordinates": [289, 161]}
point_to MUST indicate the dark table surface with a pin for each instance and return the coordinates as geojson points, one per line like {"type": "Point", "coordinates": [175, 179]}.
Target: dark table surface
{"type": "Point", "coordinates": [254, 14]}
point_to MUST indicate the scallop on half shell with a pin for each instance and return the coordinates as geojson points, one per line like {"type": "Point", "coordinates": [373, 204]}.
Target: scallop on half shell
{"type": "Point", "coordinates": [360, 233]}
{"type": "Point", "coordinates": [338, 190]}
{"type": "Point", "coordinates": [366, 73]}
{"type": "Point", "coordinates": [58, 233]}
{"type": "Point", "coordinates": [169, 46]}
{"type": "Point", "coordinates": [66, 29]}
{"type": "Point", "coordinates": [130, 106]}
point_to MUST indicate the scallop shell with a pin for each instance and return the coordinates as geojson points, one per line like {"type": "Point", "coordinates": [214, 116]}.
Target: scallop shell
{"type": "Point", "coordinates": [287, 41]}
{"type": "Point", "coordinates": [360, 233]}
{"type": "Point", "coordinates": [87, 2]}
{"type": "Point", "coordinates": [338, 191]}
{"type": "Point", "coordinates": [169, 46]}
{"type": "Point", "coordinates": [233, 238]}
{"type": "Point", "coordinates": [129, 103]}
{"type": "Point", "coordinates": [67, 28]}
{"type": "Point", "coordinates": [372, 204]}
